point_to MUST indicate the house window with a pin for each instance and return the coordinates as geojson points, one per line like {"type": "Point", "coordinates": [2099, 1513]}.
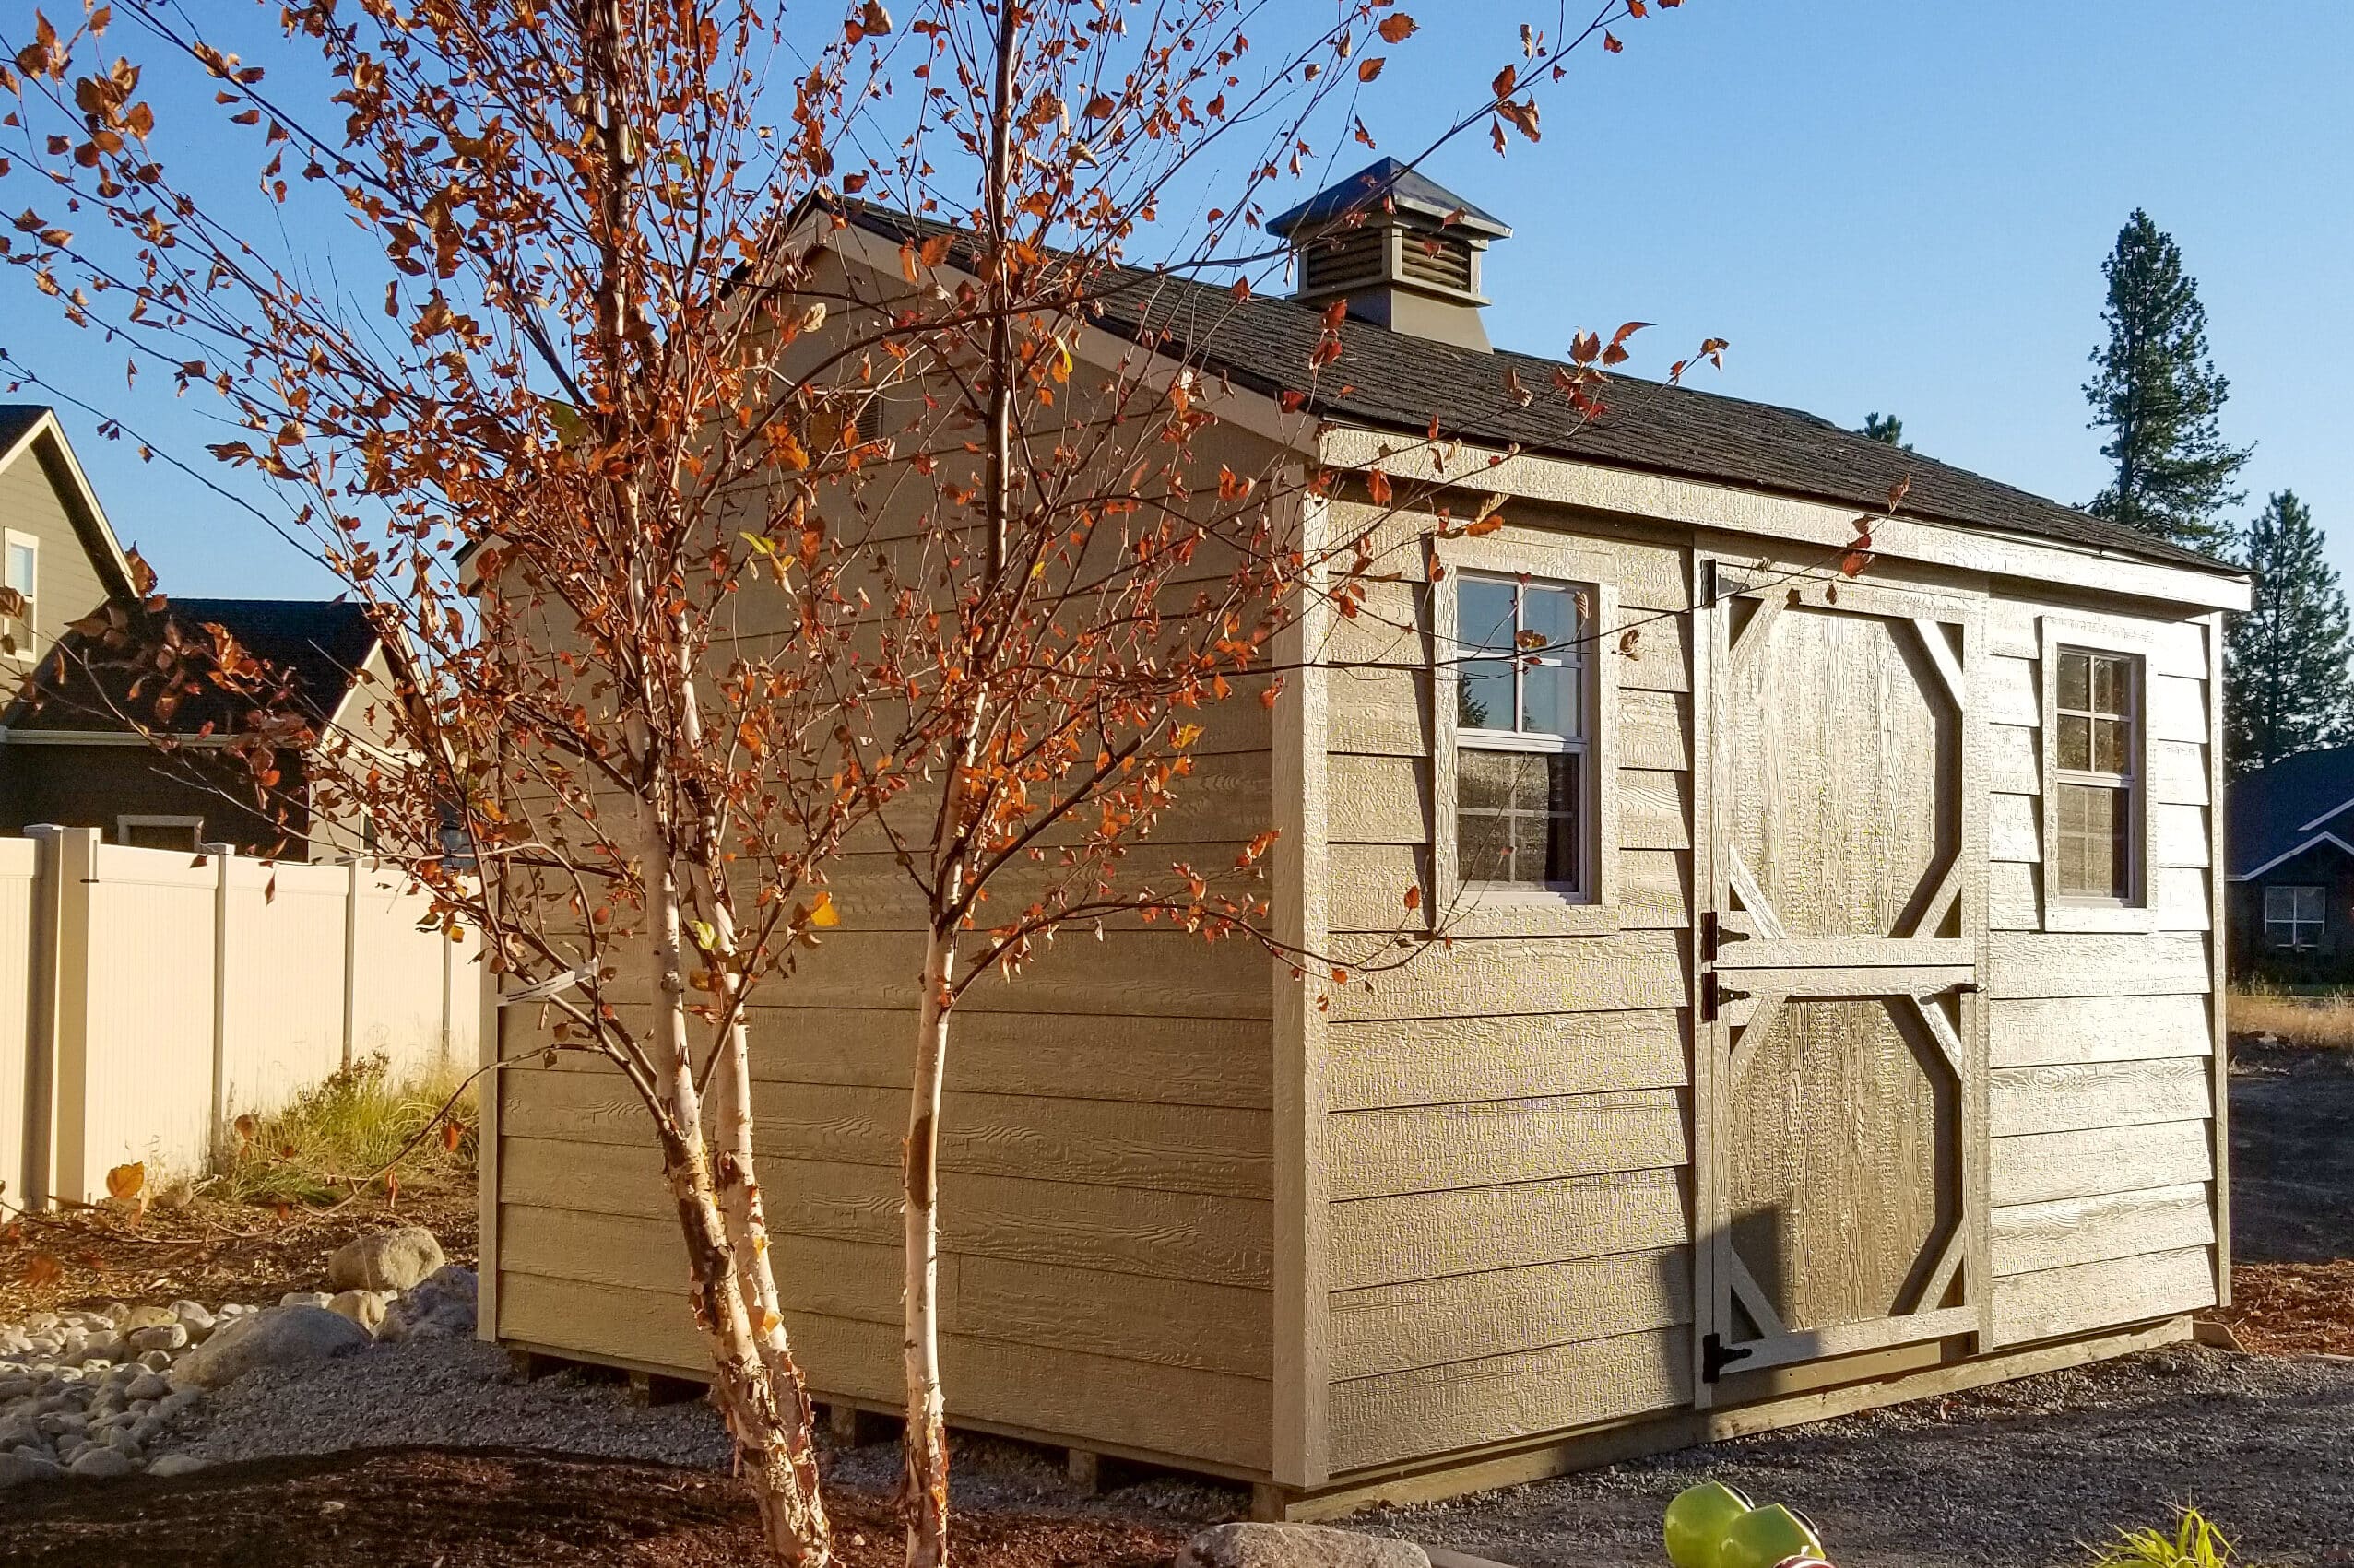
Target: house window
{"type": "Point", "coordinates": [2294, 918]}
{"type": "Point", "coordinates": [21, 574]}
{"type": "Point", "coordinates": [2095, 720]}
{"type": "Point", "coordinates": [160, 832]}
{"type": "Point", "coordinates": [1521, 730]}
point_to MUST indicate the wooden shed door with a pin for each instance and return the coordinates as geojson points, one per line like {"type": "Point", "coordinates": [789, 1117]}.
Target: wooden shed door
{"type": "Point", "coordinates": [1837, 967]}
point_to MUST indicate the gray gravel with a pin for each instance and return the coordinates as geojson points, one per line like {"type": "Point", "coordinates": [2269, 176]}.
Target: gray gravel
{"type": "Point", "coordinates": [464, 1394]}
{"type": "Point", "coordinates": [2016, 1475]}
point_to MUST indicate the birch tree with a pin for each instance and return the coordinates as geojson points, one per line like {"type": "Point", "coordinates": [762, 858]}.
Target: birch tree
{"type": "Point", "coordinates": [713, 554]}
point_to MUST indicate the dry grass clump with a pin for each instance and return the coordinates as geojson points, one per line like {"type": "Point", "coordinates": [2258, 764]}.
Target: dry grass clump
{"type": "Point", "coordinates": [2326, 1022]}
{"type": "Point", "coordinates": [338, 1135]}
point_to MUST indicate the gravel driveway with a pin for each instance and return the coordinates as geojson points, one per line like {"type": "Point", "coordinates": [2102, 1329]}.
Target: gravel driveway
{"type": "Point", "coordinates": [2018, 1475]}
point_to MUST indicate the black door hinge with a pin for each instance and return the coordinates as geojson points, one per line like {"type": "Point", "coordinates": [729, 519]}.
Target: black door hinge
{"type": "Point", "coordinates": [1713, 996]}
{"type": "Point", "coordinates": [1714, 936]}
{"type": "Point", "coordinates": [1715, 1356]}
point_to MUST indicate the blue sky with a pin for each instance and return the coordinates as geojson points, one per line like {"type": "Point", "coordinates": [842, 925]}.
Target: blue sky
{"type": "Point", "coordinates": [1887, 205]}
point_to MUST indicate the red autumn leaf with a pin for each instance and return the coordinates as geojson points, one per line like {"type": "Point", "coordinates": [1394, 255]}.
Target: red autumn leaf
{"type": "Point", "coordinates": [449, 1136]}
{"type": "Point", "coordinates": [1414, 898]}
{"type": "Point", "coordinates": [1853, 562]}
{"type": "Point", "coordinates": [1397, 29]}
{"type": "Point", "coordinates": [1610, 41]}
{"type": "Point", "coordinates": [1506, 80]}
{"type": "Point", "coordinates": [1293, 402]}
{"type": "Point", "coordinates": [1377, 485]}
{"type": "Point", "coordinates": [1637, 9]}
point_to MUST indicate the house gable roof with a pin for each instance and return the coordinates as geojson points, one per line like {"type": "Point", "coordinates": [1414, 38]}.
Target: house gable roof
{"type": "Point", "coordinates": [321, 645]}
{"type": "Point", "coordinates": [1393, 381]}
{"type": "Point", "coordinates": [33, 428]}
{"type": "Point", "coordinates": [2279, 812]}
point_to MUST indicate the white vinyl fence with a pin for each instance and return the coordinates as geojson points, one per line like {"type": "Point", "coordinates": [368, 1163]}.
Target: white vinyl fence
{"type": "Point", "coordinates": [148, 998]}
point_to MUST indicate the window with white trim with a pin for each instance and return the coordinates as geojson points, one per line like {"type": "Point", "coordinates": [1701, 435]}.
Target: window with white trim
{"type": "Point", "coordinates": [21, 574]}
{"type": "Point", "coordinates": [2095, 729]}
{"type": "Point", "coordinates": [2295, 917]}
{"type": "Point", "coordinates": [1522, 724]}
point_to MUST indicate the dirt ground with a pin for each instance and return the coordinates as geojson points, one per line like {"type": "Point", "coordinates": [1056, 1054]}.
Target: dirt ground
{"type": "Point", "coordinates": [2292, 1199]}
{"type": "Point", "coordinates": [395, 1507]}
{"type": "Point", "coordinates": [207, 1252]}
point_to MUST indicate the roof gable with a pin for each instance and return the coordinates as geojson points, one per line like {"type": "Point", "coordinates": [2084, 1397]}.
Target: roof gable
{"type": "Point", "coordinates": [2276, 812]}
{"type": "Point", "coordinates": [30, 431]}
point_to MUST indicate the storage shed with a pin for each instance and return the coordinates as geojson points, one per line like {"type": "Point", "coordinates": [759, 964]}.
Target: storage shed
{"type": "Point", "coordinates": [1832, 1016]}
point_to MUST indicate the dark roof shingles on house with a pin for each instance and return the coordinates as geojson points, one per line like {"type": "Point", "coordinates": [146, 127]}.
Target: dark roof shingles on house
{"type": "Point", "coordinates": [320, 643]}
{"type": "Point", "coordinates": [2266, 812]}
{"type": "Point", "coordinates": [15, 418]}
{"type": "Point", "coordinates": [1394, 381]}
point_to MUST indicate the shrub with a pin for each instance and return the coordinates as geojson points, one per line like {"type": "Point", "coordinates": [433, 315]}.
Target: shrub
{"type": "Point", "coordinates": [343, 1131]}
{"type": "Point", "coordinates": [2196, 1543]}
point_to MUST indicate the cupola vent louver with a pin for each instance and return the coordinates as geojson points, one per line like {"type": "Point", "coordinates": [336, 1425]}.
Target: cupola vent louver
{"type": "Point", "coordinates": [1403, 250]}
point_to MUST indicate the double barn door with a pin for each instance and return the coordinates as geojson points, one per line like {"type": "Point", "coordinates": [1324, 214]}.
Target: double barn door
{"type": "Point", "coordinates": [1841, 908]}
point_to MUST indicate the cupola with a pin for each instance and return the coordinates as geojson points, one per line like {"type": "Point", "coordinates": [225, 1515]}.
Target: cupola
{"type": "Point", "coordinates": [1401, 248]}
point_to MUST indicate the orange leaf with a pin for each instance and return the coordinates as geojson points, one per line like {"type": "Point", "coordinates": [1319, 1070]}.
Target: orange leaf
{"type": "Point", "coordinates": [1481, 528]}
{"type": "Point", "coordinates": [1377, 485]}
{"type": "Point", "coordinates": [1610, 41]}
{"type": "Point", "coordinates": [43, 1270]}
{"type": "Point", "coordinates": [1414, 898]}
{"type": "Point", "coordinates": [124, 1182]}
{"type": "Point", "coordinates": [1506, 80]}
{"type": "Point", "coordinates": [1853, 562]}
{"type": "Point", "coordinates": [449, 1136]}
{"type": "Point", "coordinates": [935, 250]}
{"type": "Point", "coordinates": [1397, 29]}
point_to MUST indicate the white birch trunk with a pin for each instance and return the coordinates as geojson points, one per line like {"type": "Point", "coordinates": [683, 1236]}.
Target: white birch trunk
{"type": "Point", "coordinates": [927, 1436]}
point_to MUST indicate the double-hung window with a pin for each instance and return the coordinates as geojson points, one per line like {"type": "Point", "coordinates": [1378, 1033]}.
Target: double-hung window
{"type": "Point", "coordinates": [2096, 722]}
{"type": "Point", "coordinates": [1522, 727]}
{"type": "Point", "coordinates": [2295, 917]}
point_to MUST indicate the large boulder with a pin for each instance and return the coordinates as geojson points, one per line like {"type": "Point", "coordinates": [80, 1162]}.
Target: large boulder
{"type": "Point", "coordinates": [282, 1336]}
{"type": "Point", "coordinates": [441, 1307]}
{"type": "Point", "coordinates": [389, 1260]}
{"type": "Point", "coordinates": [1296, 1545]}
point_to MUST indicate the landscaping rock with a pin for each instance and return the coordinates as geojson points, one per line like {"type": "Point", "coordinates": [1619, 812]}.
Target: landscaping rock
{"type": "Point", "coordinates": [100, 1463]}
{"type": "Point", "coordinates": [279, 1337]}
{"type": "Point", "coordinates": [306, 1298]}
{"type": "Point", "coordinates": [138, 1317]}
{"type": "Point", "coordinates": [17, 1470]}
{"type": "Point", "coordinates": [167, 1336]}
{"type": "Point", "coordinates": [1296, 1545]}
{"type": "Point", "coordinates": [365, 1308]}
{"type": "Point", "coordinates": [149, 1386]}
{"type": "Point", "coordinates": [171, 1465]}
{"type": "Point", "coordinates": [389, 1260]}
{"type": "Point", "coordinates": [441, 1307]}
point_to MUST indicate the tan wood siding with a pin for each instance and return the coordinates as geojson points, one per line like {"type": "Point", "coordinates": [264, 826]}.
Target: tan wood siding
{"type": "Point", "coordinates": [1432, 1409]}
{"type": "Point", "coordinates": [2071, 964]}
{"type": "Point", "coordinates": [2098, 1295]}
{"type": "Point", "coordinates": [1467, 1316]}
{"type": "Point", "coordinates": [2100, 1094]}
{"type": "Point", "coordinates": [2070, 1230]}
{"type": "Point", "coordinates": [1632, 969]}
{"type": "Point", "coordinates": [2090, 1161]}
{"type": "Point", "coordinates": [69, 586]}
{"type": "Point", "coordinates": [1490, 1143]}
{"type": "Point", "coordinates": [1443, 1061]}
{"type": "Point", "coordinates": [1184, 1412]}
{"type": "Point", "coordinates": [2055, 1030]}
{"type": "Point", "coordinates": [1425, 1235]}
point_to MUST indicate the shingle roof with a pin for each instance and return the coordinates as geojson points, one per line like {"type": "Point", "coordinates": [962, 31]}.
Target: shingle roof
{"type": "Point", "coordinates": [15, 418]}
{"type": "Point", "coordinates": [1394, 381]}
{"type": "Point", "coordinates": [2266, 812]}
{"type": "Point", "coordinates": [319, 643]}
{"type": "Point", "coordinates": [1405, 187]}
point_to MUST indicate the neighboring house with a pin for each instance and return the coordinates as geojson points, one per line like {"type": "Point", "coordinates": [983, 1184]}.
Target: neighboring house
{"type": "Point", "coordinates": [2292, 869]}
{"type": "Point", "coordinates": [1835, 1020]}
{"type": "Point", "coordinates": [69, 751]}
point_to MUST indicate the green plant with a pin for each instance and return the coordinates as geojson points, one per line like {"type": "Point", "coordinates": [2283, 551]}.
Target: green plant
{"type": "Point", "coordinates": [344, 1132]}
{"type": "Point", "coordinates": [2196, 1543]}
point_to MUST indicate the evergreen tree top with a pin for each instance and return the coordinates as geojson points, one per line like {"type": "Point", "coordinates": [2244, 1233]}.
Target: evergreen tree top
{"type": "Point", "coordinates": [2289, 689]}
{"type": "Point", "coordinates": [2156, 391]}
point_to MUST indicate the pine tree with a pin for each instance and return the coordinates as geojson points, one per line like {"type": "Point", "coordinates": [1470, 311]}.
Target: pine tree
{"type": "Point", "coordinates": [1886, 428]}
{"type": "Point", "coordinates": [2286, 659]}
{"type": "Point", "coordinates": [2157, 393]}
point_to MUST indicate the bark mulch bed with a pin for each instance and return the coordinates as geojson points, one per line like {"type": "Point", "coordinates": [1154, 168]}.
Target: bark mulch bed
{"type": "Point", "coordinates": [439, 1508]}
{"type": "Point", "coordinates": [2289, 1309]}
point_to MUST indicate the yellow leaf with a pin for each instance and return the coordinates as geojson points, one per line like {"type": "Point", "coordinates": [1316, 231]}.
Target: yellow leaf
{"type": "Point", "coordinates": [823, 914]}
{"type": "Point", "coordinates": [125, 1182]}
